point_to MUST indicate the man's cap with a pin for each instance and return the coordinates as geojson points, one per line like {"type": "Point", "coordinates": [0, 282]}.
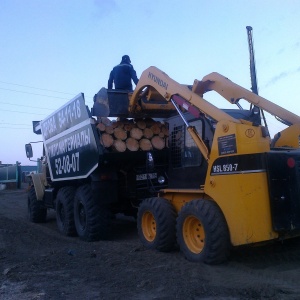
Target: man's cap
{"type": "Point", "coordinates": [126, 58]}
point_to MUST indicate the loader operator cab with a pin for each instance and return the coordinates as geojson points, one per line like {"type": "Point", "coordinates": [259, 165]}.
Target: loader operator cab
{"type": "Point", "coordinates": [187, 166]}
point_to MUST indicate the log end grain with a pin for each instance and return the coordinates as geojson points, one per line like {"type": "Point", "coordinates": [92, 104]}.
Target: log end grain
{"type": "Point", "coordinates": [119, 145]}
{"type": "Point", "coordinates": [158, 143]}
{"type": "Point", "coordinates": [106, 140]}
{"type": "Point", "coordinates": [145, 145]}
{"type": "Point", "coordinates": [136, 133]}
{"type": "Point", "coordinates": [132, 144]}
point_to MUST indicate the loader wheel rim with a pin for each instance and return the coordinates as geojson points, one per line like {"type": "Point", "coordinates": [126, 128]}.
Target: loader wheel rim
{"type": "Point", "coordinates": [149, 226]}
{"type": "Point", "coordinates": [193, 234]}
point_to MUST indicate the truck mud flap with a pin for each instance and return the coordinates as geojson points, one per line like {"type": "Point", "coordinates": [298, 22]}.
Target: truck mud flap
{"type": "Point", "coordinates": [283, 170]}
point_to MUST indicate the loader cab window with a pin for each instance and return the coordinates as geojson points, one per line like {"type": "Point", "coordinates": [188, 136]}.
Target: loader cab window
{"type": "Point", "coordinates": [184, 152]}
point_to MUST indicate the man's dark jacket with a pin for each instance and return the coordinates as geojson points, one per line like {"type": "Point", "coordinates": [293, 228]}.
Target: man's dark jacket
{"type": "Point", "coordinates": [121, 75]}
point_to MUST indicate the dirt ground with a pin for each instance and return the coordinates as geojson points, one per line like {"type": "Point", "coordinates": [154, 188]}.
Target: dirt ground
{"type": "Point", "coordinates": [36, 262]}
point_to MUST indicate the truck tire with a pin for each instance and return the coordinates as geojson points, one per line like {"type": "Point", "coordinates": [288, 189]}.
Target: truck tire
{"type": "Point", "coordinates": [202, 232]}
{"type": "Point", "coordinates": [37, 211]}
{"type": "Point", "coordinates": [65, 211]}
{"type": "Point", "coordinates": [92, 220]}
{"type": "Point", "coordinates": [156, 223]}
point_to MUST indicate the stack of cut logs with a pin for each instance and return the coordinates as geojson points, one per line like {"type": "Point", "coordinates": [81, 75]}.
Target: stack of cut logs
{"type": "Point", "coordinates": [132, 134]}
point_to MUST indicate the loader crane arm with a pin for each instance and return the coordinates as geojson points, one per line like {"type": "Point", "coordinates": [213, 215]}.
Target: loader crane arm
{"type": "Point", "coordinates": [233, 93]}
{"type": "Point", "coordinates": [153, 81]}
{"type": "Point", "coordinates": [155, 84]}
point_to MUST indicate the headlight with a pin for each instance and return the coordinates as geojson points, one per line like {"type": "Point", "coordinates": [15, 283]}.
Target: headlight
{"type": "Point", "coordinates": [161, 179]}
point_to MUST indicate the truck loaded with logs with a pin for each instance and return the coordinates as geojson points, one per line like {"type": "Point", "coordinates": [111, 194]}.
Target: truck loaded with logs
{"type": "Point", "coordinates": [95, 166]}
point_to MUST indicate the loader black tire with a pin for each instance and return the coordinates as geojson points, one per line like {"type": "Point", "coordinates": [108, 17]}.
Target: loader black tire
{"type": "Point", "coordinates": [92, 220]}
{"type": "Point", "coordinates": [156, 223]}
{"type": "Point", "coordinates": [202, 232]}
{"type": "Point", "coordinates": [37, 211]}
{"type": "Point", "coordinates": [65, 211]}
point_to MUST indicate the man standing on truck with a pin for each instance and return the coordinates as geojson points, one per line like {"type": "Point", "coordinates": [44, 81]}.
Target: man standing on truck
{"type": "Point", "coordinates": [122, 74]}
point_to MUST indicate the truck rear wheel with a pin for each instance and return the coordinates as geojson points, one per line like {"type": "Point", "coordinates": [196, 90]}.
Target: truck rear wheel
{"type": "Point", "coordinates": [156, 223]}
{"type": "Point", "coordinates": [65, 211]}
{"type": "Point", "coordinates": [92, 220]}
{"type": "Point", "coordinates": [37, 211]}
{"type": "Point", "coordinates": [202, 232]}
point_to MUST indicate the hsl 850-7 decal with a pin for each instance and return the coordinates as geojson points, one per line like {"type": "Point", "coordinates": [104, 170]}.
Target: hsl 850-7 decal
{"type": "Point", "coordinates": [234, 164]}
